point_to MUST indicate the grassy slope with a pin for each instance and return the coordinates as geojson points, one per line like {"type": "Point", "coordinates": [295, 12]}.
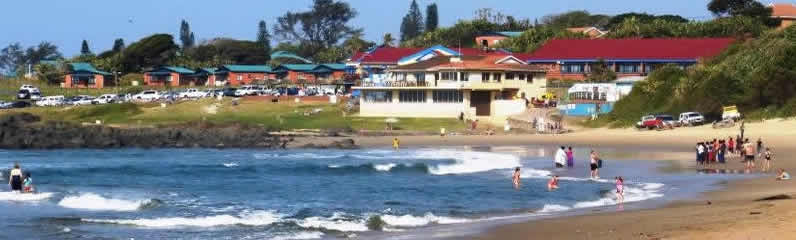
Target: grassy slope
{"type": "Point", "coordinates": [284, 116]}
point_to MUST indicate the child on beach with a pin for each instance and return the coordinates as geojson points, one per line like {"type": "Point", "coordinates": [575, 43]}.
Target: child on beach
{"type": "Point", "coordinates": [783, 175]}
{"type": "Point", "coordinates": [27, 184]}
{"type": "Point", "coordinates": [396, 144]}
{"type": "Point", "coordinates": [553, 183]}
{"type": "Point", "coordinates": [767, 156]}
{"type": "Point", "coordinates": [731, 145]}
{"type": "Point", "coordinates": [620, 190]}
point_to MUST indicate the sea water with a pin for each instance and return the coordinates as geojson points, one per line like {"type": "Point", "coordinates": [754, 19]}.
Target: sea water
{"type": "Point", "coordinates": [305, 194]}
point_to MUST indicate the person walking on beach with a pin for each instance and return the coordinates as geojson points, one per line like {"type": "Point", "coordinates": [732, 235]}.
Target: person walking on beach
{"type": "Point", "coordinates": [620, 190]}
{"type": "Point", "coordinates": [700, 150]}
{"type": "Point", "coordinates": [396, 144]}
{"type": "Point", "coordinates": [570, 157]}
{"type": "Point", "coordinates": [560, 158]}
{"type": "Point", "coordinates": [767, 156]}
{"type": "Point", "coordinates": [516, 178]}
{"type": "Point", "coordinates": [731, 145]}
{"type": "Point", "coordinates": [593, 164]}
{"type": "Point", "coordinates": [759, 146]}
{"type": "Point", "coordinates": [722, 151]}
{"type": "Point", "coordinates": [15, 178]}
{"type": "Point", "coordinates": [749, 151]}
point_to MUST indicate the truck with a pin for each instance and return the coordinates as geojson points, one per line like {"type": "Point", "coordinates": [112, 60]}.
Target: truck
{"type": "Point", "coordinates": [730, 113]}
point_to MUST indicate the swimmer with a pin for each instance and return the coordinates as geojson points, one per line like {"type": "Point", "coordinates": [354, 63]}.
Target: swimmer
{"type": "Point", "coordinates": [553, 183]}
{"type": "Point", "coordinates": [516, 178]}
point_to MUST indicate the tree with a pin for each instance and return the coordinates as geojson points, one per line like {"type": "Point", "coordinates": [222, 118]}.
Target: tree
{"type": "Point", "coordinates": [323, 26]}
{"type": "Point", "coordinates": [575, 19]}
{"type": "Point", "coordinates": [356, 44]}
{"type": "Point", "coordinates": [44, 51]}
{"type": "Point", "coordinates": [241, 51]}
{"type": "Point", "coordinates": [84, 49]}
{"type": "Point", "coordinates": [50, 74]}
{"type": "Point", "coordinates": [432, 17]}
{"type": "Point", "coordinates": [388, 40]}
{"type": "Point", "coordinates": [263, 36]}
{"type": "Point", "coordinates": [186, 36]}
{"type": "Point", "coordinates": [750, 8]}
{"type": "Point", "coordinates": [12, 57]}
{"type": "Point", "coordinates": [600, 72]}
{"type": "Point", "coordinates": [118, 45]}
{"type": "Point", "coordinates": [148, 52]}
{"type": "Point", "coordinates": [412, 24]}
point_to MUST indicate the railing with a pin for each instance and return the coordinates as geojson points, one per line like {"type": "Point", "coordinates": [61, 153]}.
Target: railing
{"type": "Point", "coordinates": [397, 84]}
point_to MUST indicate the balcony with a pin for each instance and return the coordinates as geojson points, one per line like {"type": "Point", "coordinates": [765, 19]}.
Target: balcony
{"type": "Point", "coordinates": [397, 84]}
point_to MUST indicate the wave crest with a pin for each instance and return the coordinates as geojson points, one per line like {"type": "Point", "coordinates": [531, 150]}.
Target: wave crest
{"type": "Point", "coordinates": [24, 197]}
{"type": "Point", "coordinates": [92, 201]}
{"type": "Point", "coordinates": [258, 218]}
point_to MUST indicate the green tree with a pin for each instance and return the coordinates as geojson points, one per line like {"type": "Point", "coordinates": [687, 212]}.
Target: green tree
{"type": "Point", "coordinates": [263, 36]}
{"type": "Point", "coordinates": [432, 17]}
{"type": "Point", "coordinates": [148, 52]}
{"type": "Point", "coordinates": [12, 57]}
{"type": "Point", "coordinates": [600, 72]}
{"type": "Point", "coordinates": [356, 44]}
{"type": "Point", "coordinates": [321, 27]}
{"type": "Point", "coordinates": [118, 45]}
{"type": "Point", "coordinates": [186, 36]}
{"type": "Point", "coordinates": [412, 23]}
{"type": "Point", "coordinates": [43, 51]}
{"type": "Point", "coordinates": [84, 49]}
{"type": "Point", "coordinates": [49, 73]}
{"type": "Point", "coordinates": [534, 38]}
{"type": "Point", "coordinates": [388, 40]}
{"type": "Point", "coordinates": [575, 19]}
{"type": "Point", "coordinates": [751, 8]}
{"type": "Point", "coordinates": [241, 51]}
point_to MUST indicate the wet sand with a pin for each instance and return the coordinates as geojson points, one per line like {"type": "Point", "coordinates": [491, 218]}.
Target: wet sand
{"type": "Point", "coordinates": [732, 212]}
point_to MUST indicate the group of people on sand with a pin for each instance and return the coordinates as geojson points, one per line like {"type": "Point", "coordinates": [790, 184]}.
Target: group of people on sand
{"type": "Point", "coordinates": [19, 181]}
{"type": "Point", "coordinates": [709, 153]}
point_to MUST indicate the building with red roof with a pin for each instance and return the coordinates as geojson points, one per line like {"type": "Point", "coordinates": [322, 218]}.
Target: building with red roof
{"type": "Point", "coordinates": [786, 12]}
{"type": "Point", "coordinates": [572, 58]}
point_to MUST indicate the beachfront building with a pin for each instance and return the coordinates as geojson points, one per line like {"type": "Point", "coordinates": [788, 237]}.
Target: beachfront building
{"type": "Point", "coordinates": [493, 38]}
{"type": "Point", "coordinates": [85, 75]}
{"type": "Point", "coordinates": [312, 74]}
{"type": "Point", "coordinates": [206, 76]}
{"type": "Point", "coordinates": [236, 75]}
{"type": "Point", "coordinates": [489, 87]}
{"type": "Point", "coordinates": [571, 59]}
{"type": "Point", "coordinates": [169, 76]}
{"type": "Point", "coordinates": [785, 12]}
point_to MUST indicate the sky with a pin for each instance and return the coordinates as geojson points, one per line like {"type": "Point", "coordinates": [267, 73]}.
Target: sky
{"type": "Point", "coordinates": [67, 22]}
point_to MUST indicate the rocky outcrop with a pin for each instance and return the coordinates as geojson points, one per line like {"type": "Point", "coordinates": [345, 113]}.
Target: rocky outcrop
{"type": "Point", "coordinates": [27, 131]}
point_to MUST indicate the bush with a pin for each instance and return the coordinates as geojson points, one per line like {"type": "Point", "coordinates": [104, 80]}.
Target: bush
{"type": "Point", "coordinates": [127, 79]}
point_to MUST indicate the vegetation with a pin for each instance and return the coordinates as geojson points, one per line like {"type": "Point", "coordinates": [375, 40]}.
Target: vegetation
{"type": "Point", "coordinates": [412, 24]}
{"type": "Point", "coordinates": [186, 36]}
{"type": "Point", "coordinates": [534, 38]}
{"type": "Point", "coordinates": [320, 28]}
{"type": "Point", "coordinates": [432, 17]}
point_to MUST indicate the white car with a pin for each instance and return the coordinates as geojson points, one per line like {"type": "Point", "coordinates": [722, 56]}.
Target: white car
{"type": "Point", "coordinates": [148, 95]}
{"type": "Point", "coordinates": [250, 90]}
{"type": "Point", "coordinates": [192, 93]}
{"type": "Point", "coordinates": [28, 87]}
{"type": "Point", "coordinates": [50, 101]}
{"type": "Point", "coordinates": [84, 100]}
{"type": "Point", "coordinates": [691, 118]}
{"type": "Point", "coordinates": [105, 99]}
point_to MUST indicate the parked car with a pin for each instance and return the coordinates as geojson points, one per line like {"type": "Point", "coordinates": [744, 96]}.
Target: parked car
{"type": "Point", "coordinates": [50, 101]}
{"type": "Point", "coordinates": [148, 95]}
{"type": "Point", "coordinates": [658, 122]}
{"type": "Point", "coordinates": [192, 93]}
{"type": "Point", "coordinates": [32, 94]}
{"type": "Point", "coordinates": [731, 113]}
{"type": "Point", "coordinates": [640, 124]}
{"type": "Point", "coordinates": [249, 90]}
{"type": "Point", "coordinates": [83, 100]}
{"type": "Point", "coordinates": [105, 99]}
{"type": "Point", "coordinates": [28, 87]}
{"type": "Point", "coordinates": [691, 118]}
{"type": "Point", "coordinates": [230, 92]}
{"type": "Point", "coordinates": [17, 104]}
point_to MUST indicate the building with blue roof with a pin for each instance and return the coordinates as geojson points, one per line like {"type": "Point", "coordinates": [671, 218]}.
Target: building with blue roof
{"type": "Point", "coordinates": [85, 75]}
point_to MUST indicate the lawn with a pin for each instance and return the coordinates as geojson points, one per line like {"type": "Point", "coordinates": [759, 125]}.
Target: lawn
{"type": "Point", "coordinates": [283, 116]}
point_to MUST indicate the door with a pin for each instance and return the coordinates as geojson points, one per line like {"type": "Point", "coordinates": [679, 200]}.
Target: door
{"type": "Point", "coordinates": [481, 100]}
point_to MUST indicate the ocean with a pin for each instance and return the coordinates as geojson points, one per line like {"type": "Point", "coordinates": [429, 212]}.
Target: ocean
{"type": "Point", "coordinates": [310, 194]}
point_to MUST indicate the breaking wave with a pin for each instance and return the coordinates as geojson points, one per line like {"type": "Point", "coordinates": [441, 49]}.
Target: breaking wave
{"type": "Point", "coordinates": [258, 218]}
{"type": "Point", "coordinates": [91, 201]}
{"type": "Point", "coordinates": [22, 197]}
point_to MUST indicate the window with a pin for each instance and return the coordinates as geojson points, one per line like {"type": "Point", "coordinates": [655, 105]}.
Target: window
{"type": "Point", "coordinates": [464, 76]}
{"type": "Point", "coordinates": [91, 80]}
{"type": "Point", "coordinates": [521, 76]}
{"type": "Point", "coordinates": [572, 68]}
{"type": "Point", "coordinates": [496, 76]}
{"type": "Point", "coordinates": [649, 68]}
{"type": "Point", "coordinates": [420, 77]}
{"type": "Point", "coordinates": [378, 96]}
{"type": "Point", "coordinates": [436, 76]}
{"type": "Point", "coordinates": [240, 77]}
{"type": "Point", "coordinates": [448, 76]}
{"type": "Point", "coordinates": [485, 77]}
{"type": "Point", "coordinates": [628, 68]}
{"type": "Point", "coordinates": [414, 96]}
{"type": "Point", "coordinates": [509, 76]}
{"type": "Point", "coordinates": [447, 96]}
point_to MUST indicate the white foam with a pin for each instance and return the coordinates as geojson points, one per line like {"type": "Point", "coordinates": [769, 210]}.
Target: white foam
{"type": "Point", "coordinates": [335, 222]}
{"type": "Point", "coordinates": [414, 221]}
{"type": "Point", "coordinates": [549, 208]}
{"type": "Point", "coordinates": [23, 197]}
{"type": "Point", "coordinates": [632, 194]}
{"type": "Point", "coordinates": [258, 218]}
{"type": "Point", "coordinates": [384, 167]}
{"type": "Point", "coordinates": [300, 236]}
{"type": "Point", "coordinates": [91, 201]}
{"type": "Point", "coordinates": [467, 161]}
{"type": "Point", "coordinates": [231, 164]}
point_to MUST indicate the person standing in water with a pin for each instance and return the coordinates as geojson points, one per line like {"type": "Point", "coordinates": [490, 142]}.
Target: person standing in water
{"type": "Point", "coordinates": [15, 178]}
{"type": "Point", "coordinates": [620, 190]}
{"type": "Point", "coordinates": [516, 178]}
{"type": "Point", "coordinates": [570, 157]}
{"type": "Point", "coordinates": [396, 144]}
{"type": "Point", "coordinates": [560, 158]}
{"type": "Point", "coordinates": [28, 183]}
{"type": "Point", "coordinates": [593, 165]}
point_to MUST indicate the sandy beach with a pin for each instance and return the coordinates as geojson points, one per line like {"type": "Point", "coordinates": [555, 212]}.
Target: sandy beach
{"type": "Point", "coordinates": [734, 212]}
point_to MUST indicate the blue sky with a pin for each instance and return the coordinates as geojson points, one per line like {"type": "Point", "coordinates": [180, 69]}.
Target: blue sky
{"type": "Point", "coordinates": [67, 22]}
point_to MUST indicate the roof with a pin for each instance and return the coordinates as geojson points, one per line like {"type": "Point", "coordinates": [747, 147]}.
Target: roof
{"type": "Point", "coordinates": [503, 34]}
{"type": "Point", "coordinates": [180, 70]}
{"type": "Point", "coordinates": [383, 55]}
{"type": "Point", "coordinates": [629, 49]}
{"type": "Point", "coordinates": [326, 67]}
{"type": "Point", "coordinates": [783, 10]}
{"type": "Point", "coordinates": [207, 70]}
{"type": "Point", "coordinates": [85, 67]}
{"type": "Point", "coordinates": [298, 67]}
{"type": "Point", "coordinates": [247, 68]}
{"type": "Point", "coordinates": [495, 63]}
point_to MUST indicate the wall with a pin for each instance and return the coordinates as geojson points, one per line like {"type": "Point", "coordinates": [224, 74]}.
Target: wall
{"type": "Point", "coordinates": [99, 82]}
{"type": "Point", "coordinates": [245, 78]}
{"type": "Point", "coordinates": [428, 109]}
{"type": "Point", "coordinates": [584, 109]}
{"type": "Point", "coordinates": [175, 80]}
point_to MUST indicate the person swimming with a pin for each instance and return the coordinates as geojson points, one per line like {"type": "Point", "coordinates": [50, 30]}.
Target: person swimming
{"type": "Point", "coordinates": [15, 178]}
{"type": "Point", "coordinates": [553, 183]}
{"type": "Point", "coordinates": [516, 178]}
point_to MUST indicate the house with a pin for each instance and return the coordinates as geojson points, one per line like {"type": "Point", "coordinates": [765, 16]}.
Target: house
{"type": "Point", "coordinates": [206, 77]}
{"type": "Point", "coordinates": [592, 32]}
{"type": "Point", "coordinates": [236, 75]}
{"type": "Point", "coordinates": [488, 87]}
{"type": "Point", "coordinates": [84, 75]}
{"type": "Point", "coordinates": [169, 76]}
{"type": "Point", "coordinates": [314, 74]}
{"type": "Point", "coordinates": [786, 12]}
{"type": "Point", "coordinates": [493, 38]}
{"type": "Point", "coordinates": [572, 59]}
